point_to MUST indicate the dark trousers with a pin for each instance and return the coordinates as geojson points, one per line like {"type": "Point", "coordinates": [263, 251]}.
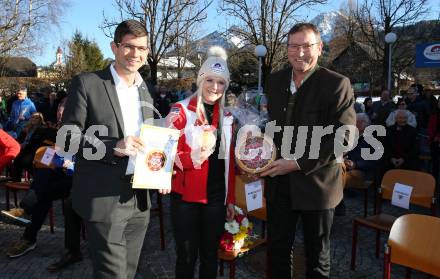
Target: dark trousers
{"type": "Point", "coordinates": [197, 230]}
{"type": "Point", "coordinates": [23, 161]}
{"type": "Point", "coordinates": [72, 228]}
{"type": "Point", "coordinates": [281, 225]}
{"type": "Point", "coordinates": [48, 185]}
{"type": "Point", "coordinates": [115, 246]}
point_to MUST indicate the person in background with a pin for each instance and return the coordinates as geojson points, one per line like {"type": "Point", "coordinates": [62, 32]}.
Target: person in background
{"type": "Point", "coordinates": [203, 187]}
{"type": "Point", "coordinates": [368, 105]}
{"type": "Point", "coordinates": [10, 101]}
{"type": "Point", "coordinates": [400, 145]}
{"type": "Point", "coordinates": [9, 149]}
{"type": "Point", "coordinates": [3, 112]}
{"type": "Point", "coordinates": [358, 170]}
{"type": "Point", "coordinates": [418, 107]}
{"type": "Point", "coordinates": [162, 102]}
{"type": "Point", "coordinates": [358, 107]}
{"type": "Point", "coordinates": [40, 136]}
{"type": "Point", "coordinates": [401, 105]}
{"type": "Point", "coordinates": [36, 121]}
{"type": "Point", "coordinates": [48, 106]}
{"type": "Point", "coordinates": [382, 108]}
{"type": "Point", "coordinates": [21, 111]}
{"type": "Point", "coordinates": [434, 139]}
{"type": "Point", "coordinates": [47, 185]}
{"type": "Point", "coordinates": [231, 99]}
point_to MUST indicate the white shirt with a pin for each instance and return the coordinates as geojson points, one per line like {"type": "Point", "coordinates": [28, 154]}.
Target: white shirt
{"type": "Point", "coordinates": [129, 102]}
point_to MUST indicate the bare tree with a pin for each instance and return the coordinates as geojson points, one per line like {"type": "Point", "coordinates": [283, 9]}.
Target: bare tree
{"type": "Point", "coordinates": [266, 22]}
{"type": "Point", "coordinates": [160, 18]}
{"type": "Point", "coordinates": [183, 45]}
{"type": "Point", "coordinates": [22, 21]}
{"type": "Point", "coordinates": [346, 28]}
{"type": "Point", "coordinates": [376, 18]}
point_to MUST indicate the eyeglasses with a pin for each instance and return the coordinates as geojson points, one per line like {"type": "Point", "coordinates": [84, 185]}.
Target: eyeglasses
{"type": "Point", "coordinates": [128, 47]}
{"type": "Point", "coordinates": [304, 47]}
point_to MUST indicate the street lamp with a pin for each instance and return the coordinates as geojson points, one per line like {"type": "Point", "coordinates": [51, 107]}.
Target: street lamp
{"type": "Point", "coordinates": [260, 52]}
{"type": "Point", "coordinates": [390, 38]}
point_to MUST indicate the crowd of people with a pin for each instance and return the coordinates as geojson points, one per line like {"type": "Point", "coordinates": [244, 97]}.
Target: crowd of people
{"type": "Point", "coordinates": [98, 193]}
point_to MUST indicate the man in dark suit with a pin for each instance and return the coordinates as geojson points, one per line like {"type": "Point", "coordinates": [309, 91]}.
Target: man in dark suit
{"type": "Point", "coordinates": [382, 108]}
{"type": "Point", "coordinates": [305, 185]}
{"type": "Point", "coordinates": [115, 215]}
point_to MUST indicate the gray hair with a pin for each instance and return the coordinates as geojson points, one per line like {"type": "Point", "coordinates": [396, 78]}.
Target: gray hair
{"type": "Point", "coordinates": [403, 111]}
{"type": "Point", "coordinates": [363, 116]}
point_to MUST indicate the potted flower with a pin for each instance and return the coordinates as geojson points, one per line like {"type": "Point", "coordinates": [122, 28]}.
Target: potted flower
{"type": "Point", "coordinates": [237, 234]}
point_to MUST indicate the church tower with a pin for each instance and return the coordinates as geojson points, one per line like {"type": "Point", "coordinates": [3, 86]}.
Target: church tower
{"type": "Point", "coordinates": [59, 61]}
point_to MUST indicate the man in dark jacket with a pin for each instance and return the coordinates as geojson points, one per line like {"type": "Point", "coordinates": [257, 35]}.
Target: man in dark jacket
{"type": "Point", "coordinates": [307, 185]}
{"type": "Point", "coordinates": [116, 216]}
{"type": "Point", "coordinates": [401, 150]}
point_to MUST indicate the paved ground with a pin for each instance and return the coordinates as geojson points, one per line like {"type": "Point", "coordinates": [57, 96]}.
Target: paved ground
{"type": "Point", "coordinates": [155, 263]}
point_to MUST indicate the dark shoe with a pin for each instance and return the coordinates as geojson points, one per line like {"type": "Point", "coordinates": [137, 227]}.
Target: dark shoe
{"type": "Point", "coordinates": [20, 248]}
{"type": "Point", "coordinates": [66, 260]}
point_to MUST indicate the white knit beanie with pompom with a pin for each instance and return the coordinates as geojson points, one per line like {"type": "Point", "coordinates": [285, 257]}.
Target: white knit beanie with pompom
{"type": "Point", "coordinates": [215, 65]}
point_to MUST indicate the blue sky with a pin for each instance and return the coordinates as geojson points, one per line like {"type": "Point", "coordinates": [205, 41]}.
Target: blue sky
{"type": "Point", "coordinates": [86, 16]}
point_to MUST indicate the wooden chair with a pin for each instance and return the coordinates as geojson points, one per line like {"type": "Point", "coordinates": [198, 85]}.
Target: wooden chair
{"type": "Point", "coordinates": [354, 179]}
{"type": "Point", "coordinates": [260, 214]}
{"type": "Point", "coordinates": [15, 187]}
{"type": "Point", "coordinates": [422, 194]}
{"type": "Point", "coordinates": [414, 243]}
{"type": "Point", "coordinates": [159, 210]}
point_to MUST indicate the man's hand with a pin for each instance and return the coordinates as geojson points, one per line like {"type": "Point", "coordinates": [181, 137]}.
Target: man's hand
{"type": "Point", "coordinates": [129, 146]}
{"type": "Point", "coordinates": [349, 164]}
{"type": "Point", "coordinates": [400, 162]}
{"type": "Point", "coordinates": [281, 167]}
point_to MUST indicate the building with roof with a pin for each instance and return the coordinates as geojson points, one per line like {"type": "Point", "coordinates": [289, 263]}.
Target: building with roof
{"type": "Point", "coordinates": [17, 67]}
{"type": "Point", "coordinates": [169, 68]}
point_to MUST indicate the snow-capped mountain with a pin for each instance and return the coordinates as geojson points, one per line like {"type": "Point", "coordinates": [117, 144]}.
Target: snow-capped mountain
{"type": "Point", "coordinates": [326, 23]}
{"type": "Point", "coordinates": [227, 40]}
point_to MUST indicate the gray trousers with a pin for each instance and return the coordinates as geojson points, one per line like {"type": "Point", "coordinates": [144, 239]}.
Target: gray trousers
{"type": "Point", "coordinates": [115, 247]}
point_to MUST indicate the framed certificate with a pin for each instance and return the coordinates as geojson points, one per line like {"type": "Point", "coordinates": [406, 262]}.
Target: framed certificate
{"type": "Point", "coordinates": [154, 165]}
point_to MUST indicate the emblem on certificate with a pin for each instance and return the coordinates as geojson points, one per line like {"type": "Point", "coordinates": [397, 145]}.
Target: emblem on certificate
{"type": "Point", "coordinates": [154, 165]}
{"type": "Point", "coordinates": [254, 153]}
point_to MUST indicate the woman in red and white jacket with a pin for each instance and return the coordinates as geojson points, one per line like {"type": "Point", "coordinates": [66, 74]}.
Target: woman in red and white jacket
{"type": "Point", "coordinates": [202, 194]}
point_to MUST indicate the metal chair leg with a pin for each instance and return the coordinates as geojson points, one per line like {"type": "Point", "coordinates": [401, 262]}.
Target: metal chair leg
{"type": "Point", "coordinates": [353, 245]}
{"type": "Point", "coordinates": [377, 243]}
{"type": "Point", "coordinates": [161, 222]}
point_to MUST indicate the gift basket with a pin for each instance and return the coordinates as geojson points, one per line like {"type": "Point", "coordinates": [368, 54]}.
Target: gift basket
{"type": "Point", "coordinates": [254, 151]}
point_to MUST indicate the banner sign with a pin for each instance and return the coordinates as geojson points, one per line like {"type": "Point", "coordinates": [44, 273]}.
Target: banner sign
{"type": "Point", "coordinates": [428, 55]}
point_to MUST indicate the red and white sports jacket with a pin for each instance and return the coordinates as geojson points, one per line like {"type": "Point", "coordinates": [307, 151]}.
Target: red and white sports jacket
{"type": "Point", "coordinates": [191, 181]}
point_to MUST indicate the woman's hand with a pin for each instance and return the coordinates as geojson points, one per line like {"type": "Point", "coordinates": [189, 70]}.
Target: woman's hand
{"type": "Point", "coordinates": [67, 164]}
{"type": "Point", "coordinates": [164, 191]}
{"type": "Point", "coordinates": [230, 212]}
{"type": "Point", "coordinates": [199, 156]}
